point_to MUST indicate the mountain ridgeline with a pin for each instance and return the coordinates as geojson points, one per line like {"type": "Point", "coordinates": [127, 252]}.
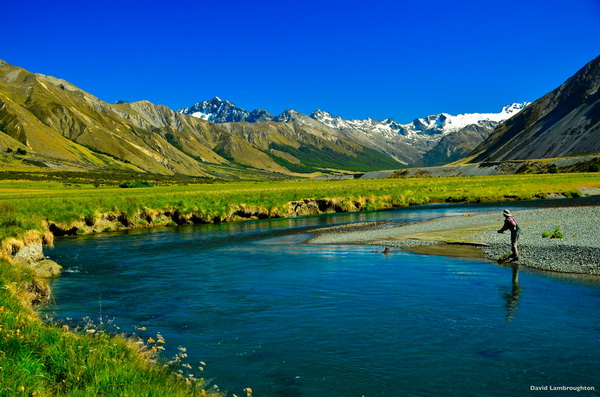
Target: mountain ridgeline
{"type": "Point", "coordinates": [48, 122]}
{"type": "Point", "coordinates": [564, 122]}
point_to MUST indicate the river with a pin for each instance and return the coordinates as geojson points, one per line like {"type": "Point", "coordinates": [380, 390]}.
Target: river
{"type": "Point", "coordinates": [264, 310]}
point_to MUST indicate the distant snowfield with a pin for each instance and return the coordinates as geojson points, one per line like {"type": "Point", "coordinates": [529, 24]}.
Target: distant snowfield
{"type": "Point", "coordinates": [203, 116]}
{"type": "Point", "coordinates": [443, 123]}
{"type": "Point", "coordinates": [455, 123]}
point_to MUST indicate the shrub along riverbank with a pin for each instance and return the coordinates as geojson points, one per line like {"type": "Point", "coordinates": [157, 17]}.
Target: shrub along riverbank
{"type": "Point", "coordinates": [41, 359]}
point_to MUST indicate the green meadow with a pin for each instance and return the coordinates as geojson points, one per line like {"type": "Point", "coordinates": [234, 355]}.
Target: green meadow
{"type": "Point", "coordinates": [30, 205]}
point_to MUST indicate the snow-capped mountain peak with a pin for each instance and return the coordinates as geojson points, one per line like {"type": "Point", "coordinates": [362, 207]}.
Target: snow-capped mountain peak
{"type": "Point", "coordinates": [403, 142]}
{"type": "Point", "coordinates": [514, 108]}
{"type": "Point", "coordinates": [216, 110]}
{"type": "Point", "coordinates": [328, 119]}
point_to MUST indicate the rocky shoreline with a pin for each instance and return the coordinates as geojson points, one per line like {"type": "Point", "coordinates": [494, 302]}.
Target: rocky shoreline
{"type": "Point", "coordinates": [577, 252]}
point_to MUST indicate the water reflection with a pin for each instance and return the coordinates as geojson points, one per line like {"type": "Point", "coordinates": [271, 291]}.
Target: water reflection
{"type": "Point", "coordinates": [512, 297]}
{"type": "Point", "coordinates": [515, 273]}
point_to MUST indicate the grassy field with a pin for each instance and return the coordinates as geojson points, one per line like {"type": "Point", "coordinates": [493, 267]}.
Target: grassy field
{"type": "Point", "coordinates": [28, 205]}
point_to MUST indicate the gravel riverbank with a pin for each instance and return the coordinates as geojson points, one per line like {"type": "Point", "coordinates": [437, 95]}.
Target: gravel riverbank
{"type": "Point", "coordinates": [578, 252]}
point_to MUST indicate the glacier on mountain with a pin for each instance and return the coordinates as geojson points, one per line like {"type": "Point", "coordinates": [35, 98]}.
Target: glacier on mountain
{"type": "Point", "coordinates": [443, 123]}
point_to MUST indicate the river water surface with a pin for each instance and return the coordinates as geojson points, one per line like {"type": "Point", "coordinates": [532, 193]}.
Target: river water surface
{"type": "Point", "coordinates": [266, 311]}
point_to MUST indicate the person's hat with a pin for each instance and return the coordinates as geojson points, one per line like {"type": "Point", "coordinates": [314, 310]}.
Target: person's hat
{"type": "Point", "coordinates": [506, 213]}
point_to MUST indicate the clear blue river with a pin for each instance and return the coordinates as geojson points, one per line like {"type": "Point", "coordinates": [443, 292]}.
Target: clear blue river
{"type": "Point", "coordinates": [267, 311]}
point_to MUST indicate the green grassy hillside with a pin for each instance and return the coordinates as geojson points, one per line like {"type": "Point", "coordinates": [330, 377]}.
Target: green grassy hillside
{"type": "Point", "coordinates": [62, 126]}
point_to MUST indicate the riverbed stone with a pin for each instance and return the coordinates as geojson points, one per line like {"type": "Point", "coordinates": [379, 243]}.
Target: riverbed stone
{"type": "Point", "coordinates": [33, 256]}
{"type": "Point", "coordinates": [29, 254]}
{"type": "Point", "coordinates": [46, 268]}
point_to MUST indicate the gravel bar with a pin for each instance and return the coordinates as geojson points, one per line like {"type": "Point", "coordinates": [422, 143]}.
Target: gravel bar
{"type": "Point", "coordinates": [578, 252]}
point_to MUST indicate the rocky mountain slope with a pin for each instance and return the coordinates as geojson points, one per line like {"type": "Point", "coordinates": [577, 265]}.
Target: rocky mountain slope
{"type": "Point", "coordinates": [457, 144]}
{"type": "Point", "coordinates": [563, 122]}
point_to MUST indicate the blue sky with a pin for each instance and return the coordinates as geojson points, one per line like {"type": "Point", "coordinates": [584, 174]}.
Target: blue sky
{"type": "Point", "coordinates": [355, 59]}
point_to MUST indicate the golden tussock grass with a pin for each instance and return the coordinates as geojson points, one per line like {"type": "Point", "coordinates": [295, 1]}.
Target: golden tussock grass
{"type": "Point", "coordinates": [11, 246]}
{"type": "Point", "coordinates": [32, 237]}
{"type": "Point", "coordinates": [48, 239]}
{"type": "Point", "coordinates": [5, 257]}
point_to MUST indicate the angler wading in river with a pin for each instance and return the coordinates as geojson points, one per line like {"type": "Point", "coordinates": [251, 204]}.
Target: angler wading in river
{"type": "Point", "coordinates": [511, 224]}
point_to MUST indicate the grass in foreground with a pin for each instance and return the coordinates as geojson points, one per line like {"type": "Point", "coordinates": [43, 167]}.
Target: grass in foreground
{"type": "Point", "coordinates": [37, 359]}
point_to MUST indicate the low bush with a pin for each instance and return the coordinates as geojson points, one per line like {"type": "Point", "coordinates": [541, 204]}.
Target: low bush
{"type": "Point", "coordinates": [557, 233]}
{"type": "Point", "coordinates": [133, 184]}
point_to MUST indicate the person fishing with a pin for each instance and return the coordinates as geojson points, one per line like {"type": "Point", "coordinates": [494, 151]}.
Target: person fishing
{"type": "Point", "coordinates": [511, 224]}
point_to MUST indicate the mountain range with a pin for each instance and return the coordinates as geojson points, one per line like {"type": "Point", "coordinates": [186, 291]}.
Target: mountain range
{"type": "Point", "coordinates": [60, 126]}
{"type": "Point", "coordinates": [414, 143]}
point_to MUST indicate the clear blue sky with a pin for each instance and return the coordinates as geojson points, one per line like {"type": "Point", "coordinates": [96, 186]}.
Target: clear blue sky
{"type": "Point", "coordinates": [356, 59]}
